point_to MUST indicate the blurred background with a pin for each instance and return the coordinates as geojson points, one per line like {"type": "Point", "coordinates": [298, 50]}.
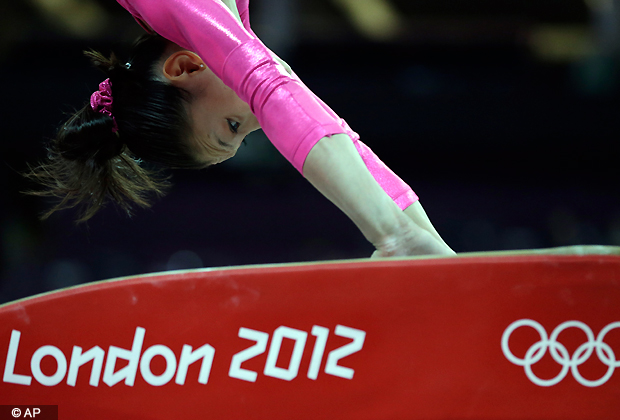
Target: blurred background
{"type": "Point", "coordinates": [501, 114]}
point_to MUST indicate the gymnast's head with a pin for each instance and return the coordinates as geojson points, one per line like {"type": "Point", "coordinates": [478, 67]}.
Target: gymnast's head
{"type": "Point", "coordinates": [220, 120]}
{"type": "Point", "coordinates": [167, 108]}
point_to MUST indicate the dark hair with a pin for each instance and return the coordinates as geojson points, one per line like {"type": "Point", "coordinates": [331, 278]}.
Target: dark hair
{"type": "Point", "coordinates": [88, 164]}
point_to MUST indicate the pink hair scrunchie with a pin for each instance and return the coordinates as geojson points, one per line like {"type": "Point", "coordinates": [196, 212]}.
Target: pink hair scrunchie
{"type": "Point", "coordinates": [101, 101]}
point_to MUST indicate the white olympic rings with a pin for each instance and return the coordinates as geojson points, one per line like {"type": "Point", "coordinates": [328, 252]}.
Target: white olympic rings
{"type": "Point", "coordinates": [560, 354]}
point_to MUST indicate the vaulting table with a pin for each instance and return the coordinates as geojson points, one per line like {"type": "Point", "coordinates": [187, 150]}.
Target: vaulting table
{"type": "Point", "coordinates": [521, 335]}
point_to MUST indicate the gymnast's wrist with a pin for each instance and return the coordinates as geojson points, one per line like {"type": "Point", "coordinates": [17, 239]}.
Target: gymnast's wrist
{"type": "Point", "coordinates": [388, 229]}
{"type": "Point", "coordinates": [409, 239]}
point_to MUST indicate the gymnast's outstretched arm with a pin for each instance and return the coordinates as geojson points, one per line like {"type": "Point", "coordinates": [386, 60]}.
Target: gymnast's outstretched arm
{"type": "Point", "coordinates": [323, 180]}
{"type": "Point", "coordinates": [383, 231]}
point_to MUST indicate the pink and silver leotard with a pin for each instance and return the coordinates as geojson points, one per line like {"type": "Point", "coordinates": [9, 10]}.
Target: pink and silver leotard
{"type": "Point", "coordinates": [292, 117]}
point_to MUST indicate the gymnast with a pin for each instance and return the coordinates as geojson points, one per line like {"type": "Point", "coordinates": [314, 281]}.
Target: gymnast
{"type": "Point", "coordinates": [194, 86]}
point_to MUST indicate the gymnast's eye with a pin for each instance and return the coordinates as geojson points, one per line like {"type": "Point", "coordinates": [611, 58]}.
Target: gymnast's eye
{"type": "Point", "coordinates": [234, 126]}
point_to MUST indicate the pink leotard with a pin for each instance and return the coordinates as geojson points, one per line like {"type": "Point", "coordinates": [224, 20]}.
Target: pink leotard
{"type": "Point", "coordinates": [292, 117]}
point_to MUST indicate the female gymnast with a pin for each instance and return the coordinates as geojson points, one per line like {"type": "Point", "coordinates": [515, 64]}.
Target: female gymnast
{"type": "Point", "coordinates": [192, 89]}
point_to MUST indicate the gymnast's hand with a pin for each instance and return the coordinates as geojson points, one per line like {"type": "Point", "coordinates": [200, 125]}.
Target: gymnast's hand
{"type": "Point", "coordinates": [412, 240]}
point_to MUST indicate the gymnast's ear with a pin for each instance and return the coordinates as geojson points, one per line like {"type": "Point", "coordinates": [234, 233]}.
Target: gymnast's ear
{"type": "Point", "coordinates": [181, 65]}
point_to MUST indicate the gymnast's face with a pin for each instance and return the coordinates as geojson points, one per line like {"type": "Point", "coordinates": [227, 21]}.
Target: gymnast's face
{"type": "Point", "coordinates": [220, 120]}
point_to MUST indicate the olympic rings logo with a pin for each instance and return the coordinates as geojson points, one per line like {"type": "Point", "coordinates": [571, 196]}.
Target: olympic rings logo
{"type": "Point", "coordinates": [560, 354]}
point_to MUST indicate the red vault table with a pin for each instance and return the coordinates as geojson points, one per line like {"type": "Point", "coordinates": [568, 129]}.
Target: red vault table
{"type": "Point", "coordinates": [488, 336]}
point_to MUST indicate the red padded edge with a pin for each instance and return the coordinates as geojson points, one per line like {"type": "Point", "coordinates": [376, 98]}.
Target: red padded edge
{"type": "Point", "coordinates": [430, 334]}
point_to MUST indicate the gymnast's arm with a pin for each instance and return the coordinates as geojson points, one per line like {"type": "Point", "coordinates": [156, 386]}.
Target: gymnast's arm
{"type": "Point", "coordinates": [318, 173]}
{"type": "Point", "coordinates": [384, 227]}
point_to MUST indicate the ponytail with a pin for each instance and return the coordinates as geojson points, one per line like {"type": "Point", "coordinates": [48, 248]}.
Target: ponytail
{"type": "Point", "coordinates": [96, 156]}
